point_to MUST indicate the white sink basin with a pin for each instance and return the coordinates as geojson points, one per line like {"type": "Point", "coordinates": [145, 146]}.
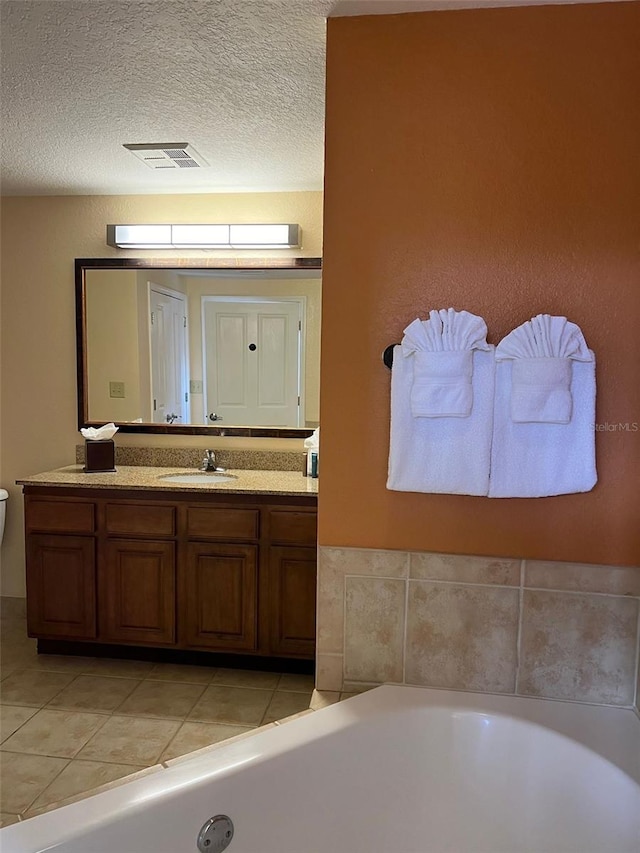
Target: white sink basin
{"type": "Point", "coordinates": [199, 478]}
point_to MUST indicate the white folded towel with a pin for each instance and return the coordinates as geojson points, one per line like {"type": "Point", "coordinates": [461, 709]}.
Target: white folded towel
{"type": "Point", "coordinates": [542, 350]}
{"type": "Point", "coordinates": [440, 350]}
{"type": "Point", "coordinates": [544, 412]}
{"type": "Point", "coordinates": [445, 455]}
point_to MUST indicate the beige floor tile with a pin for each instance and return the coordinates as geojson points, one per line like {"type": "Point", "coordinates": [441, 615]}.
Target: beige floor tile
{"type": "Point", "coordinates": [123, 668]}
{"type": "Point", "coordinates": [106, 786]}
{"type": "Point", "coordinates": [60, 734]}
{"type": "Point", "coordinates": [181, 672]}
{"type": "Point", "coordinates": [24, 777]}
{"type": "Point", "coordinates": [323, 698]}
{"type": "Point", "coordinates": [344, 696]}
{"type": "Point", "coordinates": [61, 663]}
{"type": "Point", "coordinates": [31, 687]}
{"type": "Point", "coordinates": [162, 699]}
{"type": "Point", "coordinates": [296, 683]}
{"type": "Point", "coordinates": [285, 704]}
{"type": "Point", "coordinates": [94, 693]}
{"type": "Point", "coordinates": [237, 705]}
{"type": "Point", "coordinates": [246, 678]}
{"type": "Point", "coordinates": [79, 777]}
{"type": "Point", "coordinates": [8, 819]}
{"type": "Point", "coordinates": [12, 717]}
{"type": "Point", "coordinates": [124, 740]}
{"type": "Point", "coordinates": [192, 736]}
{"type": "Point", "coordinates": [17, 657]}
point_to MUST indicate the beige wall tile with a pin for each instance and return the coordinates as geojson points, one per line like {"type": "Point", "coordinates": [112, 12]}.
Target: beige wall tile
{"type": "Point", "coordinates": [454, 567]}
{"type": "Point", "coordinates": [374, 629]}
{"type": "Point", "coordinates": [355, 687]}
{"type": "Point", "coordinates": [330, 603]}
{"type": "Point", "coordinates": [366, 561]}
{"type": "Point", "coordinates": [580, 647]}
{"type": "Point", "coordinates": [329, 672]}
{"type": "Point", "coordinates": [462, 637]}
{"type": "Point", "coordinates": [582, 577]}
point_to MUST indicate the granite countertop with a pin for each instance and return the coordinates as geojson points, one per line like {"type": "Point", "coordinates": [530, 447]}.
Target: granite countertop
{"type": "Point", "coordinates": [150, 479]}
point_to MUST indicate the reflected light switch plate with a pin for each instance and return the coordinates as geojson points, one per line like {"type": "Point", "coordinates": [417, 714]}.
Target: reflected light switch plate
{"type": "Point", "coordinates": [195, 386]}
{"type": "Point", "coordinates": [116, 389]}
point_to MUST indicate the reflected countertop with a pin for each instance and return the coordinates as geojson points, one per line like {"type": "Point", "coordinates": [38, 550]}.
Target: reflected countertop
{"type": "Point", "coordinates": [150, 479]}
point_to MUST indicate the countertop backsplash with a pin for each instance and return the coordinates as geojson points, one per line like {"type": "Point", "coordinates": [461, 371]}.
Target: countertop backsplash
{"type": "Point", "coordinates": [191, 457]}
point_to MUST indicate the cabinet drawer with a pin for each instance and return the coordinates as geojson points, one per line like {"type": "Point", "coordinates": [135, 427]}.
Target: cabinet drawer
{"type": "Point", "coordinates": [60, 516]}
{"type": "Point", "coordinates": [289, 527]}
{"type": "Point", "coordinates": [223, 523]}
{"type": "Point", "coordinates": [140, 519]}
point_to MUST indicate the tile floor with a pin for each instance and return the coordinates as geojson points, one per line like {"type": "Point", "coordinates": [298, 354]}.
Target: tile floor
{"type": "Point", "coordinates": [69, 725]}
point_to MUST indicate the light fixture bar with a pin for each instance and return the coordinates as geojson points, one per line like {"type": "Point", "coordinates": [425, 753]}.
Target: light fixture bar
{"type": "Point", "coordinates": [203, 236]}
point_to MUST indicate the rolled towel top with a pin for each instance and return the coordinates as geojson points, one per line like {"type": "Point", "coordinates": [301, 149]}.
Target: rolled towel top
{"type": "Point", "coordinates": [442, 353]}
{"type": "Point", "coordinates": [542, 350]}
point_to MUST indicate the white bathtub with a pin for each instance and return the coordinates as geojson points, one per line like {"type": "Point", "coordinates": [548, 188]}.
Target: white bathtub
{"type": "Point", "coordinates": [395, 770]}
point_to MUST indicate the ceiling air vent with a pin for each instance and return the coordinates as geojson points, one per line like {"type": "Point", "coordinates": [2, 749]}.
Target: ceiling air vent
{"type": "Point", "coordinates": [167, 155]}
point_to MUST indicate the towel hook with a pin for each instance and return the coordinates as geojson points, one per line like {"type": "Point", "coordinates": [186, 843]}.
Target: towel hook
{"type": "Point", "coordinates": [387, 355]}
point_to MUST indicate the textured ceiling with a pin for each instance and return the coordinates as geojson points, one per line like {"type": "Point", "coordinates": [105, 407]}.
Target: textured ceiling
{"type": "Point", "coordinates": [241, 80]}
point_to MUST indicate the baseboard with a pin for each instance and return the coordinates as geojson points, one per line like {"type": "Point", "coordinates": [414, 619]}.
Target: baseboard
{"type": "Point", "coordinates": [13, 608]}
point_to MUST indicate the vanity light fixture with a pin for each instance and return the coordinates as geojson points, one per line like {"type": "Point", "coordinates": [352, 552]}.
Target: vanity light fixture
{"type": "Point", "coordinates": [203, 236]}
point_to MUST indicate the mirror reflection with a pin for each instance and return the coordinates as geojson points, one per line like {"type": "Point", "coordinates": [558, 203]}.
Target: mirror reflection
{"type": "Point", "coordinates": [203, 347]}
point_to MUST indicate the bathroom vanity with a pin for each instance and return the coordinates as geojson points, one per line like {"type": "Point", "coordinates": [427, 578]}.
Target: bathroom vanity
{"type": "Point", "coordinates": [132, 559]}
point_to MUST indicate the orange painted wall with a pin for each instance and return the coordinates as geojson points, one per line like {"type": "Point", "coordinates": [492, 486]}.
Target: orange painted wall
{"type": "Point", "coordinates": [487, 160]}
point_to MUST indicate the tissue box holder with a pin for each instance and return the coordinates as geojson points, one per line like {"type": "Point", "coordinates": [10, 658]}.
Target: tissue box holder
{"type": "Point", "coordinates": [99, 456]}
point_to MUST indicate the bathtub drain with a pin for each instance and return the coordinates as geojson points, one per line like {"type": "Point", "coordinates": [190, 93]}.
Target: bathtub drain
{"type": "Point", "coordinates": [216, 834]}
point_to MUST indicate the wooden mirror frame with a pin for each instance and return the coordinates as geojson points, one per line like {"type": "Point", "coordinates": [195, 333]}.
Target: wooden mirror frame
{"type": "Point", "coordinates": [82, 265]}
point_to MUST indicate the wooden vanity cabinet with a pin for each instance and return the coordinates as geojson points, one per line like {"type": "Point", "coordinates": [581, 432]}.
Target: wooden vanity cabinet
{"type": "Point", "coordinates": [221, 573]}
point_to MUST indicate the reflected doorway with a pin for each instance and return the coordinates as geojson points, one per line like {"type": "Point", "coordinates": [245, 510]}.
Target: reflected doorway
{"type": "Point", "coordinates": [253, 356]}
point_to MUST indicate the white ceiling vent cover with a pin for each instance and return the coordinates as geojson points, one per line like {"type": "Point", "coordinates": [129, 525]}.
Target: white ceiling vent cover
{"type": "Point", "coordinates": [168, 155]}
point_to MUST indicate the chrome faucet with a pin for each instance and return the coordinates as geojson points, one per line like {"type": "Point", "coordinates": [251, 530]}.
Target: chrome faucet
{"type": "Point", "coordinates": [209, 461]}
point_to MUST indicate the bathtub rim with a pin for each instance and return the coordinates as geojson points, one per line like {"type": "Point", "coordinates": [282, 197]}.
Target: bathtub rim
{"type": "Point", "coordinates": [609, 732]}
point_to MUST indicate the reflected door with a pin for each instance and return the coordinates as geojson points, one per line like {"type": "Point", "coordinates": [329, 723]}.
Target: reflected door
{"type": "Point", "coordinates": [253, 356]}
{"type": "Point", "coordinates": [168, 333]}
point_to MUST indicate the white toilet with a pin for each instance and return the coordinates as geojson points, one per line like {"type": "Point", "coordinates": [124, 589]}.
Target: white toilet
{"type": "Point", "coordinates": [4, 494]}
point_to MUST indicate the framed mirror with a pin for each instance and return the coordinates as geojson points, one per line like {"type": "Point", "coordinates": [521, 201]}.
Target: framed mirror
{"type": "Point", "coordinates": [199, 346]}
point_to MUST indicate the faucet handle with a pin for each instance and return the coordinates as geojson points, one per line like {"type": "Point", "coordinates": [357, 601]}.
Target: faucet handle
{"type": "Point", "coordinates": [209, 461]}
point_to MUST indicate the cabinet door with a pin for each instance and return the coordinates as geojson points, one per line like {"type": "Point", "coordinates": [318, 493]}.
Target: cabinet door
{"type": "Point", "coordinates": [219, 589]}
{"type": "Point", "coordinates": [137, 592]}
{"type": "Point", "coordinates": [292, 601]}
{"type": "Point", "coordinates": [61, 586]}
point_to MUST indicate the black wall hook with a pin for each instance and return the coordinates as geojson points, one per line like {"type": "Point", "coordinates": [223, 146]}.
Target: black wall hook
{"type": "Point", "coordinates": [387, 355]}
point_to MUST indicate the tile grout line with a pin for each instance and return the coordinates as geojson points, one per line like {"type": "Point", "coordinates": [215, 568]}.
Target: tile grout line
{"type": "Point", "coordinates": [636, 686]}
{"type": "Point", "coordinates": [516, 682]}
{"type": "Point", "coordinates": [406, 619]}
